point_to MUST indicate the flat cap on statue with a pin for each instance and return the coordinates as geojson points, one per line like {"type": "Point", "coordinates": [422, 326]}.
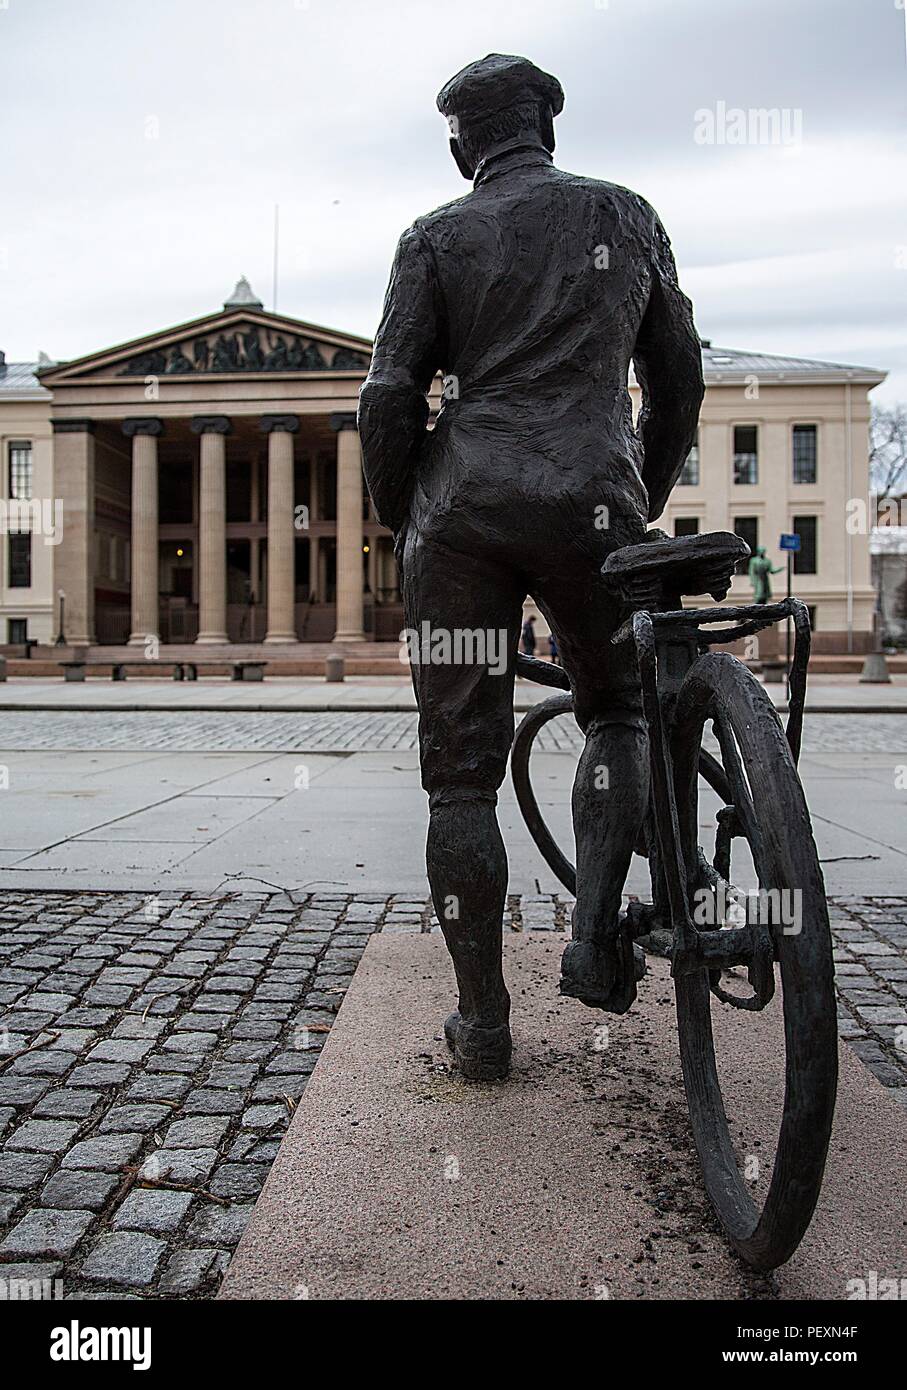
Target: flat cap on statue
{"type": "Point", "coordinates": [496, 83]}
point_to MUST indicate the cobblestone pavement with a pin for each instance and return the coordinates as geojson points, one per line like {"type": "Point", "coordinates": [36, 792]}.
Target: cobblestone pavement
{"type": "Point", "coordinates": [152, 1051]}
{"type": "Point", "coordinates": [155, 1049]}
{"type": "Point", "coordinates": [871, 971]}
{"type": "Point", "coordinates": [346, 732]}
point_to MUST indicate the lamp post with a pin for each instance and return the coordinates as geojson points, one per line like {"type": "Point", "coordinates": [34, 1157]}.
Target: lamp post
{"type": "Point", "coordinates": [61, 635]}
{"type": "Point", "coordinates": [790, 544]}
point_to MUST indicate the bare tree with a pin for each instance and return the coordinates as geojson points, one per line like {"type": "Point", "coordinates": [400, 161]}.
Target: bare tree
{"type": "Point", "coordinates": [888, 450]}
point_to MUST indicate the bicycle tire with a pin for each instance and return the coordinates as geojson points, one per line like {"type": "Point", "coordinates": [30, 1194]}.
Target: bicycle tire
{"type": "Point", "coordinates": [777, 827]}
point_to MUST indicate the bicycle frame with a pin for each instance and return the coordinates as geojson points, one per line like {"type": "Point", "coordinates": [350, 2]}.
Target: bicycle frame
{"type": "Point", "coordinates": [667, 643]}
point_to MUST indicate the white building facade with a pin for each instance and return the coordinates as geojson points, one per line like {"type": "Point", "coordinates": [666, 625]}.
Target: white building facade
{"type": "Point", "coordinates": [29, 522]}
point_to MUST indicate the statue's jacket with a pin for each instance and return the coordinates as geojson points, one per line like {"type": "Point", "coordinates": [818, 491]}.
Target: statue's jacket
{"type": "Point", "coordinates": [530, 295]}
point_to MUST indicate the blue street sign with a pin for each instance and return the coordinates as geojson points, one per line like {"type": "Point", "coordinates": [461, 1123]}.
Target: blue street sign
{"type": "Point", "coordinates": [789, 541]}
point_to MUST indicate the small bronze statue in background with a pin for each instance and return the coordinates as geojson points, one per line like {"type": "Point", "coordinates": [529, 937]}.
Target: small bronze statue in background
{"type": "Point", "coordinates": [530, 295]}
{"type": "Point", "coordinates": [760, 570]}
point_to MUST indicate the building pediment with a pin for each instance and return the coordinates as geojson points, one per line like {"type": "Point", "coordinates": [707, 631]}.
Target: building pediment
{"type": "Point", "coordinates": [240, 341]}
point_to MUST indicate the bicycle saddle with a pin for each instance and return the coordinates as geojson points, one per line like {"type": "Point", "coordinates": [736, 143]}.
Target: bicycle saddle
{"type": "Point", "coordinates": [659, 571]}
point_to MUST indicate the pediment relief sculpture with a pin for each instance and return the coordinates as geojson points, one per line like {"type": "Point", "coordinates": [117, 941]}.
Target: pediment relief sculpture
{"type": "Point", "coordinates": [246, 349]}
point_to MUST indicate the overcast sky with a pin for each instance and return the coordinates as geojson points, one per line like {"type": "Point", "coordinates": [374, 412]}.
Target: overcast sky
{"type": "Point", "coordinates": [145, 143]}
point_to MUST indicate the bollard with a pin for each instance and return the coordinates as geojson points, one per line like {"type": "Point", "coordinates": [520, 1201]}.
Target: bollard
{"type": "Point", "coordinates": [875, 670]}
{"type": "Point", "coordinates": [334, 668]}
{"type": "Point", "coordinates": [2, 668]}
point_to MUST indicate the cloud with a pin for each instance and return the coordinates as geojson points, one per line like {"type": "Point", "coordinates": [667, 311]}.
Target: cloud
{"type": "Point", "coordinates": [145, 146]}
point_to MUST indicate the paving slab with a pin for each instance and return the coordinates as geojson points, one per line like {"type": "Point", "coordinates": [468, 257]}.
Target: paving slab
{"type": "Point", "coordinates": [361, 824]}
{"type": "Point", "coordinates": [160, 799]}
{"type": "Point", "coordinates": [576, 1179]}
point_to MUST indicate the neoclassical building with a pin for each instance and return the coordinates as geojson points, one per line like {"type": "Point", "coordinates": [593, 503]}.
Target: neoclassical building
{"type": "Point", "coordinates": [209, 483]}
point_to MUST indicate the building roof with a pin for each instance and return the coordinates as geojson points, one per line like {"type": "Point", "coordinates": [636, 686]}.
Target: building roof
{"type": "Point", "coordinates": [19, 382]}
{"type": "Point", "coordinates": [734, 364]}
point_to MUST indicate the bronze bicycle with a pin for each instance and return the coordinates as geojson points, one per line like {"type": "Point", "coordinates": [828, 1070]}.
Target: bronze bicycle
{"type": "Point", "coordinates": [686, 684]}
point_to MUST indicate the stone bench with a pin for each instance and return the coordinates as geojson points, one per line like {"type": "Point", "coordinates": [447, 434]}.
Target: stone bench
{"type": "Point", "coordinates": [118, 669]}
{"type": "Point", "coordinates": [248, 670]}
{"type": "Point", "coordinates": [182, 670]}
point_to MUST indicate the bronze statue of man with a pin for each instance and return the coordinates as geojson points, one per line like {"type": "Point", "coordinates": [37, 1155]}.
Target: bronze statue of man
{"type": "Point", "coordinates": [760, 571]}
{"type": "Point", "coordinates": [531, 295]}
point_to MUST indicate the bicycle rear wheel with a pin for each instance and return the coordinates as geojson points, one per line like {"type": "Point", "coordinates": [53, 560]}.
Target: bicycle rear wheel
{"type": "Point", "coordinates": [771, 815]}
{"type": "Point", "coordinates": [529, 727]}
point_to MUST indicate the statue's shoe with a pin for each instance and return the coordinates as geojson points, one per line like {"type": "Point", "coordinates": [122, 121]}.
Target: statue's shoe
{"type": "Point", "coordinates": [481, 1054]}
{"type": "Point", "coordinates": [603, 976]}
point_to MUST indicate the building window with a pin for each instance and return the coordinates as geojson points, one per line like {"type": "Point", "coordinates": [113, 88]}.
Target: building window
{"type": "Point", "coordinates": [20, 560]}
{"type": "Point", "coordinates": [746, 454]}
{"type": "Point", "coordinates": [689, 474]}
{"type": "Point", "coordinates": [747, 528]}
{"type": "Point", "coordinates": [805, 558]}
{"type": "Point", "coordinates": [20, 471]}
{"type": "Point", "coordinates": [686, 526]}
{"type": "Point", "coordinates": [17, 631]}
{"type": "Point", "coordinates": [805, 451]}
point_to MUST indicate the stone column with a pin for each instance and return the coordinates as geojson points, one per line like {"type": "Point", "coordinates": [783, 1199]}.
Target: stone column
{"type": "Point", "coordinates": [313, 516]}
{"type": "Point", "coordinates": [144, 433]}
{"type": "Point", "coordinates": [74, 558]}
{"type": "Point", "coordinates": [281, 528]}
{"type": "Point", "coordinates": [349, 530]}
{"type": "Point", "coordinates": [254, 514]}
{"type": "Point", "coordinates": [212, 528]}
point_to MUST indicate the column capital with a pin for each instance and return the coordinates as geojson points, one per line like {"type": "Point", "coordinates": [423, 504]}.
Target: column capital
{"type": "Point", "coordinates": [142, 424]}
{"type": "Point", "coordinates": [268, 423]}
{"type": "Point", "coordinates": [211, 424]}
{"type": "Point", "coordinates": [343, 420]}
{"type": "Point", "coordinates": [72, 426]}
